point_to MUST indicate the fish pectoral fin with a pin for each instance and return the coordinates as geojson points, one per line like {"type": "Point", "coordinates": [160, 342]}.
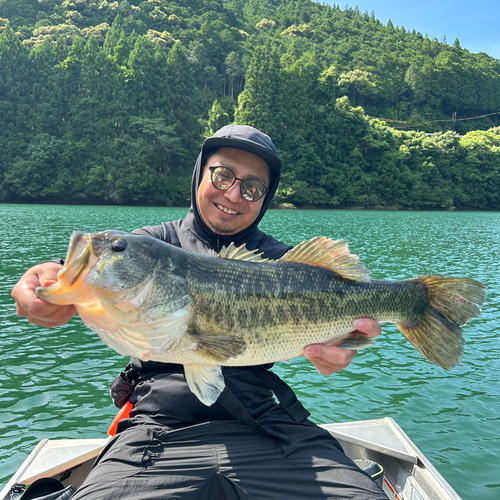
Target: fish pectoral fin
{"type": "Point", "coordinates": [357, 341]}
{"type": "Point", "coordinates": [144, 339]}
{"type": "Point", "coordinates": [220, 347]}
{"type": "Point", "coordinates": [205, 381]}
{"type": "Point", "coordinates": [233, 252]}
{"type": "Point", "coordinates": [329, 254]}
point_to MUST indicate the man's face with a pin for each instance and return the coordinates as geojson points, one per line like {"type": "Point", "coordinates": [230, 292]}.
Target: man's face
{"type": "Point", "coordinates": [227, 212]}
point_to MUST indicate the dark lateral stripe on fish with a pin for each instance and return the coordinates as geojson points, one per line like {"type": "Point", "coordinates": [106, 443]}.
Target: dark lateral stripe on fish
{"type": "Point", "coordinates": [158, 302]}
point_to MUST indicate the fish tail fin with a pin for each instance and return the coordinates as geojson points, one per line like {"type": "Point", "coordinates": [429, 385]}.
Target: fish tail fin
{"type": "Point", "coordinates": [452, 302]}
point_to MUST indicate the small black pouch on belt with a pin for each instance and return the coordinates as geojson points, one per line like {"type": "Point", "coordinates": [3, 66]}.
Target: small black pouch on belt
{"type": "Point", "coordinates": [123, 385]}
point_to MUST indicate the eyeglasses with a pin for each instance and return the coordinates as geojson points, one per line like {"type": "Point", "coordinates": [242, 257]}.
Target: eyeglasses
{"type": "Point", "coordinates": [224, 178]}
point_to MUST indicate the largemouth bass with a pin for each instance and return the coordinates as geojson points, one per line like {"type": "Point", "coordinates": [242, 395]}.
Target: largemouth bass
{"type": "Point", "coordinates": [154, 301]}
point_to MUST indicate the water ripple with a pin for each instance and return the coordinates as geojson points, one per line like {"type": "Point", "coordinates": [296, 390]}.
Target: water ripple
{"type": "Point", "coordinates": [55, 383]}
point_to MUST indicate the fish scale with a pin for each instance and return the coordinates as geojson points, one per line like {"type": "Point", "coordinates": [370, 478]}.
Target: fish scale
{"type": "Point", "coordinates": [279, 324]}
{"type": "Point", "coordinates": [154, 301]}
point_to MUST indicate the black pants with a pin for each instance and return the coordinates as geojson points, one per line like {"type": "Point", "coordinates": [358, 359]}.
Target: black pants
{"type": "Point", "coordinates": [226, 460]}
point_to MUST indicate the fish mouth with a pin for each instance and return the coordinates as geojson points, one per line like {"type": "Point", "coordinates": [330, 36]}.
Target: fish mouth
{"type": "Point", "coordinates": [78, 256]}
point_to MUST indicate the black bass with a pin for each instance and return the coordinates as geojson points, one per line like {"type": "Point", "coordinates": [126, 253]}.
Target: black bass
{"type": "Point", "coordinates": [154, 301]}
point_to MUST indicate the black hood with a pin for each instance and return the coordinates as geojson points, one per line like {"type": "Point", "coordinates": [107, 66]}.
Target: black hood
{"type": "Point", "coordinates": [240, 137]}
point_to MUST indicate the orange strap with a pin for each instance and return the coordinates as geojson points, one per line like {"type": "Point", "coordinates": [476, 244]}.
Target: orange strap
{"type": "Point", "coordinates": [124, 412]}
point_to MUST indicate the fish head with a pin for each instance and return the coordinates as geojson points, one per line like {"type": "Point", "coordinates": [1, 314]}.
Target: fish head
{"type": "Point", "coordinates": [71, 287]}
{"type": "Point", "coordinates": [137, 278]}
{"type": "Point", "coordinates": [124, 260]}
{"type": "Point", "coordinates": [128, 288]}
{"type": "Point", "coordinates": [143, 296]}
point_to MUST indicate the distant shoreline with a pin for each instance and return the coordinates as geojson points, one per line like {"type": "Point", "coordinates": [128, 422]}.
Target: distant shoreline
{"type": "Point", "coordinates": [282, 206]}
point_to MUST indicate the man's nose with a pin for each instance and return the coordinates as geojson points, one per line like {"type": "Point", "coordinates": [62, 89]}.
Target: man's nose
{"type": "Point", "coordinates": [233, 194]}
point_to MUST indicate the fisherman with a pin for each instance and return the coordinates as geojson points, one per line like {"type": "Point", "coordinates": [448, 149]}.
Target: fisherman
{"type": "Point", "coordinates": [246, 445]}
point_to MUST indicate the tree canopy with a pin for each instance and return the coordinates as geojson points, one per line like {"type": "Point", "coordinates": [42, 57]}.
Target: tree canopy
{"type": "Point", "coordinates": [108, 102]}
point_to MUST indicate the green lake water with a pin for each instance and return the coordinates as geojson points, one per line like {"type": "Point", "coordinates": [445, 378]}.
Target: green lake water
{"type": "Point", "coordinates": [55, 383]}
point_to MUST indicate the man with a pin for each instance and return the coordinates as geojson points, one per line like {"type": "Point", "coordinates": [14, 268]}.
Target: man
{"type": "Point", "coordinates": [245, 445]}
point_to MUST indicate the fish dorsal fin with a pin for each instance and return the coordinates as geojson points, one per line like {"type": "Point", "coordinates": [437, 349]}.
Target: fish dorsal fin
{"type": "Point", "coordinates": [241, 253]}
{"type": "Point", "coordinates": [330, 254]}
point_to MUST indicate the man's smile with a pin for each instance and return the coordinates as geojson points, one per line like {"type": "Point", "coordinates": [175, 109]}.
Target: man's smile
{"type": "Point", "coordinates": [226, 210]}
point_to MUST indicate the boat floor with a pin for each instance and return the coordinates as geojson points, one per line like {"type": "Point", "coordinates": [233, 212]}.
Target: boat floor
{"type": "Point", "coordinates": [408, 475]}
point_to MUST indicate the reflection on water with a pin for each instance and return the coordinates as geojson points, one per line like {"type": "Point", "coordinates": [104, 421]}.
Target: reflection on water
{"type": "Point", "coordinates": [55, 383]}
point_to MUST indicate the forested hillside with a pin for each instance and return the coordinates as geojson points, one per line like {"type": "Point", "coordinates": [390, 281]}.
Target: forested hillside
{"type": "Point", "coordinates": [108, 102]}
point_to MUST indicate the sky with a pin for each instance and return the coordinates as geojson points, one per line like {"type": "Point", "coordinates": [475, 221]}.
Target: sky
{"type": "Point", "coordinates": [476, 23]}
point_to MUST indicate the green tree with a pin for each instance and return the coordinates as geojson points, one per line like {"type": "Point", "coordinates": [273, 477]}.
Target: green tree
{"type": "Point", "coordinates": [40, 174]}
{"type": "Point", "coordinates": [217, 117]}
{"type": "Point", "coordinates": [114, 35]}
{"type": "Point", "coordinates": [185, 106]}
{"type": "Point", "coordinates": [358, 85]}
{"type": "Point", "coordinates": [16, 98]}
{"type": "Point", "coordinates": [261, 104]}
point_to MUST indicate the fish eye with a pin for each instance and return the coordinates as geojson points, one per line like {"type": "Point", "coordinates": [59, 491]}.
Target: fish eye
{"type": "Point", "coordinates": [119, 245]}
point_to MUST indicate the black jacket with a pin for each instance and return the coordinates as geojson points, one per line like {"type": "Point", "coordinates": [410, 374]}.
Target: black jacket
{"type": "Point", "coordinates": [162, 392]}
